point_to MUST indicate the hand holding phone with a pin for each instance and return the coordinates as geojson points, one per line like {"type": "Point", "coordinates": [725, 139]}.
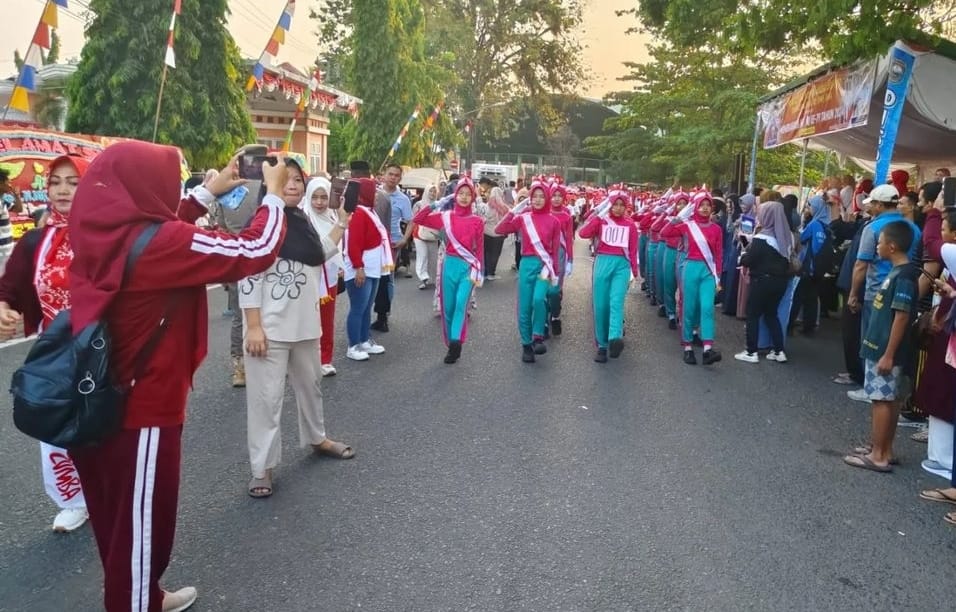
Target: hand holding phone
{"type": "Point", "coordinates": [274, 176]}
{"type": "Point", "coordinates": [227, 180]}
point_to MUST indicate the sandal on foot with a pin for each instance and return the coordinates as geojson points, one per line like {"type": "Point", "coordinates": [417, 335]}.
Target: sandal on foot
{"type": "Point", "coordinates": [334, 449]}
{"type": "Point", "coordinates": [937, 495]}
{"type": "Point", "coordinates": [261, 487]}
{"type": "Point", "coordinates": [950, 518]}
{"type": "Point", "coordinates": [865, 463]}
{"type": "Point", "coordinates": [843, 379]}
{"type": "Point", "coordinates": [866, 449]}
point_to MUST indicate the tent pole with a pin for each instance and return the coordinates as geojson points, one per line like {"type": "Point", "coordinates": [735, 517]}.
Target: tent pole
{"type": "Point", "coordinates": [752, 176]}
{"type": "Point", "coordinates": [803, 165]}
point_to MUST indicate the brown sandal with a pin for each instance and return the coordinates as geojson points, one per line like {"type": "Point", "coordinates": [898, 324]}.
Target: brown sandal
{"type": "Point", "coordinates": [866, 449]}
{"type": "Point", "coordinates": [334, 449]}
{"type": "Point", "coordinates": [937, 495]}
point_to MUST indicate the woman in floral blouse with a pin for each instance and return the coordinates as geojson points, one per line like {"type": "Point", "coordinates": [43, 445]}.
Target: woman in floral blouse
{"type": "Point", "coordinates": [282, 334]}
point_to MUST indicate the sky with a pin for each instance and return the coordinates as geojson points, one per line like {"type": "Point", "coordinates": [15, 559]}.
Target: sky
{"type": "Point", "coordinates": [602, 34]}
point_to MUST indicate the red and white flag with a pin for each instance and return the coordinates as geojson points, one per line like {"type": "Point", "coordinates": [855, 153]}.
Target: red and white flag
{"type": "Point", "coordinates": [170, 51]}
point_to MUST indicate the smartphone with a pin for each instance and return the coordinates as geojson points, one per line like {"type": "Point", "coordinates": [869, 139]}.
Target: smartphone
{"type": "Point", "coordinates": [351, 196]}
{"type": "Point", "coordinates": [338, 189]}
{"type": "Point", "coordinates": [233, 199]}
{"type": "Point", "coordinates": [250, 166]}
{"type": "Point", "coordinates": [949, 191]}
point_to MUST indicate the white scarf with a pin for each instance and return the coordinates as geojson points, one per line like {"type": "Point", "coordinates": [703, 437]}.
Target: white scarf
{"type": "Point", "coordinates": [701, 243]}
{"type": "Point", "coordinates": [475, 273]}
{"type": "Point", "coordinates": [323, 223]}
{"type": "Point", "coordinates": [547, 272]}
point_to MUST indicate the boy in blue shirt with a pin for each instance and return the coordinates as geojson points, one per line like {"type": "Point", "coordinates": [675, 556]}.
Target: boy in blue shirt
{"type": "Point", "coordinates": [886, 344]}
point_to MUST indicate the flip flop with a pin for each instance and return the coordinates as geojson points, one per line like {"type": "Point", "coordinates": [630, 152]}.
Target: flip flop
{"type": "Point", "coordinates": [334, 449]}
{"type": "Point", "coordinates": [261, 487]}
{"type": "Point", "coordinates": [937, 495]}
{"type": "Point", "coordinates": [865, 463]}
{"type": "Point", "coordinates": [950, 518]}
{"type": "Point", "coordinates": [866, 449]}
{"type": "Point", "coordinates": [840, 379]}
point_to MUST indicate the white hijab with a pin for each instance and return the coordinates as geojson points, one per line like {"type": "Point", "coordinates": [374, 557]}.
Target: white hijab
{"type": "Point", "coordinates": [322, 222]}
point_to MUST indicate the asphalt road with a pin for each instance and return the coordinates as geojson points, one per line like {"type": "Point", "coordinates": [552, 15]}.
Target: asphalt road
{"type": "Point", "coordinates": [640, 484]}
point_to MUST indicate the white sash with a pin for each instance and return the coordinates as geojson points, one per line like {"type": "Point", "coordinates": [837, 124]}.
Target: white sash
{"type": "Point", "coordinates": [475, 273]}
{"type": "Point", "coordinates": [388, 264]}
{"type": "Point", "coordinates": [547, 272]}
{"type": "Point", "coordinates": [701, 243]}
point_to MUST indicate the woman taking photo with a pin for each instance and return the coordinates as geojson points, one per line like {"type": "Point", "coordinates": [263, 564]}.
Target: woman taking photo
{"type": "Point", "coordinates": [35, 288]}
{"type": "Point", "coordinates": [324, 220]}
{"type": "Point", "coordinates": [281, 333]}
{"type": "Point", "coordinates": [462, 264]}
{"type": "Point", "coordinates": [767, 258]}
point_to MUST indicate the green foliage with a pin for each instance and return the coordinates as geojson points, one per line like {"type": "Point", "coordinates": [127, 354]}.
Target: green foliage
{"type": "Point", "coordinates": [18, 59]}
{"type": "Point", "coordinates": [116, 86]}
{"type": "Point", "coordinates": [842, 30]}
{"type": "Point", "coordinates": [53, 55]}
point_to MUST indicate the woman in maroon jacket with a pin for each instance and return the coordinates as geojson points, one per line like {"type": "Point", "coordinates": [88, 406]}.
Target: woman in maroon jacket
{"type": "Point", "coordinates": [131, 480]}
{"type": "Point", "coordinates": [34, 289]}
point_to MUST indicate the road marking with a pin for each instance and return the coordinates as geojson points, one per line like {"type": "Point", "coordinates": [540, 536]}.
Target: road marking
{"type": "Point", "coordinates": [16, 341]}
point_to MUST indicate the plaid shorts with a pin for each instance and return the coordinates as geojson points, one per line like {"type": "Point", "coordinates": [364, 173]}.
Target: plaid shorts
{"type": "Point", "coordinates": [879, 388]}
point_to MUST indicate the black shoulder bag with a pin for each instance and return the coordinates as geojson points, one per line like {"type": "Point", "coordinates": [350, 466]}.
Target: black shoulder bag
{"type": "Point", "coordinates": [65, 393]}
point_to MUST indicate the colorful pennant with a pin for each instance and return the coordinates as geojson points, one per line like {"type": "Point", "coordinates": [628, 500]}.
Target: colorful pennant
{"type": "Point", "coordinates": [430, 121]}
{"type": "Point", "coordinates": [304, 99]}
{"type": "Point", "coordinates": [401, 135]}
{"type": "Point", "coordinates": [272, 47]}
{"type": "Point", "coordinates": [170, 51]}
{"type": "Point", "coordinates": [33, 61]}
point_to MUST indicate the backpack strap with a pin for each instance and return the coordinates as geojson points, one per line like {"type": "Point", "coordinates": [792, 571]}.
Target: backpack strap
{"type": "Point", "coordinates": [138, 246]}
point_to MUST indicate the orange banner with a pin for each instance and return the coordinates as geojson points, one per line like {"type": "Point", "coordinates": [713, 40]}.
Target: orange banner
{"type": "Point", "coordinates": [836, 101]}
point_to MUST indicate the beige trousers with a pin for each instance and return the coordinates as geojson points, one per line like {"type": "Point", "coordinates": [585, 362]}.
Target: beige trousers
{"type": "Point", "coordinates": [265, 389]}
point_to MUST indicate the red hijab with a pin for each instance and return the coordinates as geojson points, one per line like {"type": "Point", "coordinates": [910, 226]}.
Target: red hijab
{"type": "Point", "coordinates": [127, 186]}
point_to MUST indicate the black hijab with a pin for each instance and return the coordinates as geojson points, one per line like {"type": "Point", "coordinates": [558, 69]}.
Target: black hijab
{"type": "Point", "coordinates": [301, 242]}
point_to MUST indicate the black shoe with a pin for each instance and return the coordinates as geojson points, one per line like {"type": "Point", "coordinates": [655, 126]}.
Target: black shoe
{"type": "Point", "coordinates": [689, 358]}
{"type": "Point", "coordinates": [653, 301]}
{"type": "Point", "coordinates": [672, 324]}
{"type": "Point", "coordinates": [547, 332]}
{"type": "Point", "coordinates": [662, 312]}
{"type": "Point", "coordinates": [540, 348]}
{"type": "Point", "coordinates": [556, 327]}
{"type": "Point", "coordinates": [527, 353]}
{"type": "Point", "coordinates": [696, 341]}
{"type": "Point", "coordinates": [454, 352]}
{"type": "Point", "coordinates": [616, 346]}
{"type": "Point", "coordinates": [380, 325]}
{"type": "Point", "coordinates": [643, 285]}
{"type": "Point", "coordinates": [711, 356]}
{"type": "Point", "coordinates": [601, 356]}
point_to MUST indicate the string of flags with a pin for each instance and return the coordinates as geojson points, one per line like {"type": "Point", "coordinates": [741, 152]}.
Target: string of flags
{"type": "Point", "coordinates": [401, 135]}
{"type": "Point", "coordinates": [430, 121]}
{"type": "Point", "coordinates": [272, 48]}
{"type": "Point", "coordinates": [303, 102]}
{"type": "Point", "coordinates": [33, 60]}
{"type": "Point", "coordinates": [170, 51]}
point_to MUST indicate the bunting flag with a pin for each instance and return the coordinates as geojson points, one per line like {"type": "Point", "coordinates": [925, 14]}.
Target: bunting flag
{"type": "Point", "coordinates": [170, 51]}
{"type": "Point", "coordinates": [33, 61]}
{"type": "Point", "coordinates": [401, 135]}
{"type": "Point", "coordinates": [430, 121]}
{"type": "Point", "coordinates": [272, 47]}
{"type": "Point", "coordinates": [303, 102]}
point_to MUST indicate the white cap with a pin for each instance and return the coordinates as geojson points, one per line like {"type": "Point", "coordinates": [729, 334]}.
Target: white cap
{"type": "Point", "coordinates": [883, 193]}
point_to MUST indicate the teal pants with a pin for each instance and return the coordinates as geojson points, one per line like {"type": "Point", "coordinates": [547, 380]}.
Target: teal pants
{"type": "Point", "coordinates": [659, 271]}
{"type": "Point", "coordinates": [651, 258]}
{"type": "Point", "coordinates": [642, 250]}
{"type": "Point", "coordinates": [556, 293]}
{"type": "Point", "coordinates": [699, 291]}
{"type": "Point", "coordinates": [532, 299]}
{"type": "Point", "coordinates": [669, 281]}
{"type": "Point", "coordinates": [456, 288]}
{"type": "Point", "coordinates": [612, 275]}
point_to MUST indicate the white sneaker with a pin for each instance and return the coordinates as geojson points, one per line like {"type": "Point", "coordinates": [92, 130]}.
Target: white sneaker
{"type": "Point", "coordinates": [780, 357]}
{"type": "Point", "coordinates": [179, 600]}
{"type": "Point", "coordinates": [492, 277]}
{"type": "Point", "coordinates": [748, 357]}
{"type": "Point", "coordinates": [371, 348]}
{"type": "Point", "coordinates": [328, 369]}
{"type": "Point", "coordinates": [356, 353]}
{"type": "Point", "coordinates": [858, 395]}
{"type": "Point", "coordinates": [70, 519]}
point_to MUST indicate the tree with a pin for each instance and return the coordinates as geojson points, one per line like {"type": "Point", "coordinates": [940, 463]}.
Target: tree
{"type": "Point", "coordinates": [53, 55]}
{"type": "Point", "coordinates": [841, 31]}
{"type": "Point", "coordinates": [18, 59]}
{"type": "Point", "coordinates": [204, 107]}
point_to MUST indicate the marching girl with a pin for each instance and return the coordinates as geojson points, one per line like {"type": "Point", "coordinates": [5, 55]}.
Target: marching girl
{"type": "Point", "coordinates": [565, 254]}
{"type": "Point", "coordinates": [34, 288]}
{"type": "Point", "coordinates": [614, 265]}
{"type": "Point", "coordinates": [540, 234]}
{"type": "Point", "coordinates": [669, 262]}
{"type": "Point", "coordinates": [654, 242]}
{"type": "Point", "coordinates": [701, 270]}
{"type": "Point", "coordinates": [644, 219]}
{"type": "Point", "coordinates": [462, 267]}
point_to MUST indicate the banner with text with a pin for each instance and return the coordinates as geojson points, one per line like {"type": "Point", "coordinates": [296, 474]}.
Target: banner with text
{"type": "Point", "coordinates": [839, 100]}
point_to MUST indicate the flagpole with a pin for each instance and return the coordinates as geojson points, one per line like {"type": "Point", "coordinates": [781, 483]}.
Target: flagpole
{"type": "Point", "coordinates": [20, 72]}
{"type": "Point", "coordinates": [159, 102]}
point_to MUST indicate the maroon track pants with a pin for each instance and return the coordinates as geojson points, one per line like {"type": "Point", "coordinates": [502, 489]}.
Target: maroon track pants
{"type": "Point", "coordinates": [131, 483]}
{"type": "Point", "coordinates": [326, 342]}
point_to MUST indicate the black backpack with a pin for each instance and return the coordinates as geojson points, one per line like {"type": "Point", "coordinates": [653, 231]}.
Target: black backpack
{"type": "Point", "coordinates": [65, 393]}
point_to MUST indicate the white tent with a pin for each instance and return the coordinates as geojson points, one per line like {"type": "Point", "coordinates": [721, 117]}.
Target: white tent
{"type": "Point", "coordinates": [927, 132]}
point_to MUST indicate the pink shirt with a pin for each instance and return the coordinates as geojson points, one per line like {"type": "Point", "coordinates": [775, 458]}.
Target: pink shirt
{"type": "Point", "coordinates": [468, 228]}
{"type": "Point", "coordinates": [712, 233]}
{"type": "Point", "coordinates": [595, 227]}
